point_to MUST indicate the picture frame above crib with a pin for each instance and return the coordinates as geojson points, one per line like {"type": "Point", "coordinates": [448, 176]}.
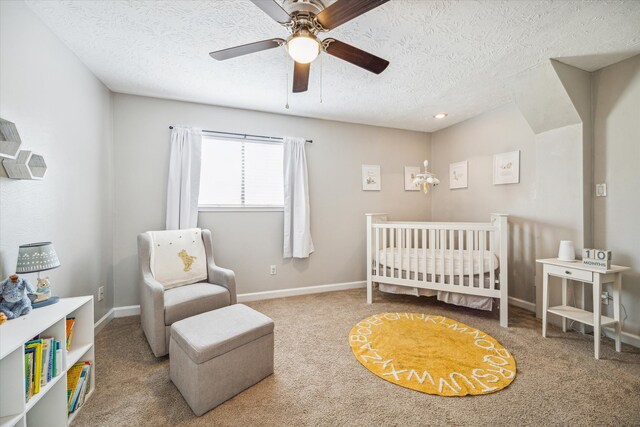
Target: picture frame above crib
{"type": "Point", "coordinates": [371, 178]}
{"type": "Point", "coordinates": [506, 168]}
{"type": "Point", "coordinates": [458, 175]}
{"type": "Point", "coordinates": [410, 173]}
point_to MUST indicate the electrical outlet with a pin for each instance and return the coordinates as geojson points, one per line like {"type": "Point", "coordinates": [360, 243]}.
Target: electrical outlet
{"type": "Point", "coordinates": [605, 297]}
{"type": "Point", "coordinates": [601, 190]}
{"type": "Point", "coordinates": [272, 270]}
{"type": "Point", "coordinates": [100, 293]}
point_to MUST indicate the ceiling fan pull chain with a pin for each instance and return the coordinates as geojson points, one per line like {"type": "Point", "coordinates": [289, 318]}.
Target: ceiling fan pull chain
{"type": "Point", "coordinates": [286, 89]}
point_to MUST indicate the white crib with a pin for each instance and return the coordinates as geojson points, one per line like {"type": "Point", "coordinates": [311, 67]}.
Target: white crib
{"type": "Point", "coordinates": [465, 258]}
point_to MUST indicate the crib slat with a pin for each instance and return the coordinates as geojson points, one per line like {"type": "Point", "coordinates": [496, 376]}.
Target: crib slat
{"type": "Point", "coordinates": [424, 254]}
{"type": "Point", "coordinates": [415, 254]}
{"type": "Point", "coordinates": [492, 267]}
{"type": "Point", "coordinates": [386, 249]}
{"type": "Point", "coordinates": [470, 246]}
{"type": "Point", "coordinates": [481, 249]}
{"type": "Point", "coordinates": [407, 246]}
{"type": "Point", "coordinates": [432, 250]}
{"type": "Point", "coordinates": [377, 246]}
{"type": "Point", "coordinates": [451, 256]}
{"type": "Point", "coordinates": [392, 236]}
{"type": "Point", "coordinates": [460, 257]}
{"type": "Point", "coordinates": [400, 245]}
{"type": "Point", "coordinates": [400, 257]}
{"type": "Point", "coordinates": [443, 242]}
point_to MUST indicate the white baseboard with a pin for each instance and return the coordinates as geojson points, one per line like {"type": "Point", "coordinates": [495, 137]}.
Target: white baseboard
{"type": "Point", "coordinates": [626, 337]}
{"type": "Point", "coordinates": [115, 312]}
{"type": "Point", "coordinates": [281, 293]}
{"type": "Point", "coordinates": [126, 311]}
{"type": "Point", "coordinates": [104, 320]}
{"type": "Point", "coordinates": [522, 304]}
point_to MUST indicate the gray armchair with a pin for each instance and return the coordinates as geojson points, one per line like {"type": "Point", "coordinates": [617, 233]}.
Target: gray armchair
{"type": "Point", "coordinates": [160, 307]}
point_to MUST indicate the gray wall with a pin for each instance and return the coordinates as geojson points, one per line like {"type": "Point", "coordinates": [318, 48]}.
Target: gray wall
{"type": "Point", "coordinates": [543, 207]}
{"type": "Point", "coordinates": [248, 242]}
{"type": "Point", "coordinates": [63, 112]}
{"type": "Point", "coordinates": [577, 84]}
{"type": "Point", "coordinates": [616, 94]}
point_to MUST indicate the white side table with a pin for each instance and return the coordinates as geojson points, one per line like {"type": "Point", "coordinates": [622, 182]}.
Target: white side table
{"type": "Point", "coordinates": [585, 274]}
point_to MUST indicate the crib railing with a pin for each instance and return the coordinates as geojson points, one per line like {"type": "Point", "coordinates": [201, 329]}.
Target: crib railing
{"type": "Point", "coordinates": [425, 255]}
{"type": "Point", "coordinates": [433, 245]}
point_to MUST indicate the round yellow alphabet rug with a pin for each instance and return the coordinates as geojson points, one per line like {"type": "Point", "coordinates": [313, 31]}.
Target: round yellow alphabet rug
{"type": "Point", "coordinates": [432, 354]}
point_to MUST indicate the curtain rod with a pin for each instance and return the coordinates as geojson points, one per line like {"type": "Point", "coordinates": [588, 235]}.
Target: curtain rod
{"type": "Point", "coordinates": [247, 136]}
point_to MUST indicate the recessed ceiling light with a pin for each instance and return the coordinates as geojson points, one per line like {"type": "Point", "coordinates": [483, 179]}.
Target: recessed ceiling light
{"type": "Point", "coordinates": [440, 115]}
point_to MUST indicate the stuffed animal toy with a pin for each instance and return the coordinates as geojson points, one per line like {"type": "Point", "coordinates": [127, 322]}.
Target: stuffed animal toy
{"type": "Point", "coordinates": [15, 301]}
{"type": "Point", "coordinates": [43, 291]}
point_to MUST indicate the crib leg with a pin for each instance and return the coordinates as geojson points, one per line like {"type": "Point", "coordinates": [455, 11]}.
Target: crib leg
{"type": "Point", "coordinates": [504, 316]}
{"type": "Point", "coordinates": [369, 292]}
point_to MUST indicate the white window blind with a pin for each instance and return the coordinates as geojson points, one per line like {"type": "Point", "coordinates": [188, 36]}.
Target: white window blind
{"type": "Point", "coordinates": [240, 174]}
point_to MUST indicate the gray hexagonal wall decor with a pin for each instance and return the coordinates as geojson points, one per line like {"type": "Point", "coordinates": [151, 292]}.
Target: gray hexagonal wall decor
{"type": "Point", "coordinates": [9, 139]}
{"type": "Point", "coordinates": [26, 165]}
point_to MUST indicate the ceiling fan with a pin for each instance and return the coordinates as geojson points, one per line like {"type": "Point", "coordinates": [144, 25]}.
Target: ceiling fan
{"type": "Point", "coordinates": [305, 19]}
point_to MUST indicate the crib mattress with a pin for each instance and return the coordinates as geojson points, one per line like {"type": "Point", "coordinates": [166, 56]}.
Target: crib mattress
{"type": "Point", "coordinates": [409, 261]}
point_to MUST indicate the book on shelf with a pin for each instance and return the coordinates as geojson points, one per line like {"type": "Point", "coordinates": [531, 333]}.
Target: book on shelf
{"type": "Point", "coordinates": [30, 354]}
{"type": "Point", "coordinates": [28, 368]}
{"type": "Point", "coordinates": [85, 387]}
{"type": "Point", "coordinates": [71, 321]}
{"type": "Point", "coordinates": [44, 368]}
{"type": "Point", "coordinates": [58, 367]}
{"type": "Point", "coordinates": [36, 345]}
{"type": "Point", "coordinates": [78, 385]}
{"type": "Point", "coordinates": [41, 364]}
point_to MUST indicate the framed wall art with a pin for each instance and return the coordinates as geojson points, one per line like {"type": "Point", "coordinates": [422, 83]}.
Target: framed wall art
{"type": "Point", "coordinates": [458, 175]}
{"type": "Point", "coordinates": [506, 168]}
{"type": "Point", "coordinates": [410, 173]}
{"type": "Point", "coordinates": [371, 177]}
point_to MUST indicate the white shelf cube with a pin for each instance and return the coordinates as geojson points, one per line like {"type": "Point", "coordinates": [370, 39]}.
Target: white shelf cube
{"type": "Point", "coordinates": [9, 139]}
{"type": "Point", "coordinates": [49, 406]}
{"type": "Point", "coordinates": [26, 165]}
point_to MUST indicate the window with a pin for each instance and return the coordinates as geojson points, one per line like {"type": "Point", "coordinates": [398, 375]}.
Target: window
{"type": "Point", "coordinates": [240, 174]}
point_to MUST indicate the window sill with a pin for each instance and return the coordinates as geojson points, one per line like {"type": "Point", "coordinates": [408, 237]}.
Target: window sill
{"type": "Point", "coordinates": [240, 208]}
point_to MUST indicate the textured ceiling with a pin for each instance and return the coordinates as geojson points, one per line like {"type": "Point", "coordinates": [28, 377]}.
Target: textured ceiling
{"type": "Point", "coordinates": [461, 57]}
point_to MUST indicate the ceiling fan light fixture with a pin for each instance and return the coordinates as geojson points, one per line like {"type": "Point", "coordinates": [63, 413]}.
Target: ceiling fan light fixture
{"type": "Point", "coordinates": [303, 48]}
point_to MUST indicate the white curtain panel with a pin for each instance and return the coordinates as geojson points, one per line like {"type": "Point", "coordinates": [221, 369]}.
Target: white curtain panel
{"type": "Point", "coordinates": [297, 214]}
{"type": "Point", "coordinates": [184, 178]}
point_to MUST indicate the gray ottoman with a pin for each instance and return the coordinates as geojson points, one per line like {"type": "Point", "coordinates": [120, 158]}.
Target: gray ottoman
{"type": "Point", "coordinates": [216, 355]}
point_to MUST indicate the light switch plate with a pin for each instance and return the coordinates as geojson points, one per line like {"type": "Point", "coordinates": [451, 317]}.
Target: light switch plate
{"type": "Point", "coordinates": [601, 190]}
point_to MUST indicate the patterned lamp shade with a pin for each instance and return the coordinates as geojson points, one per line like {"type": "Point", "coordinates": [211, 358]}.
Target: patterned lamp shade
{"type": "Point", "coordinates": [36, 257]}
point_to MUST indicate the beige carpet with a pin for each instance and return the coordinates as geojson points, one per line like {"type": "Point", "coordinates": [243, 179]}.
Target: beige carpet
{"type": "Point", "coordinates": [318, 381]}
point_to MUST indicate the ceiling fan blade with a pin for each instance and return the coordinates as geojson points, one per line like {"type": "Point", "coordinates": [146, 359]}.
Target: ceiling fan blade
{"type": "Point", "coordinates": [273, 9]}
{"type": "Point", "coordinates": [355, 56]}
{"type": "Point", "coordinates": [300, 77]}
{"type": "Point", "coordinates": [245, 49]}
{"type": "Point", "coordinates": [345, 10]}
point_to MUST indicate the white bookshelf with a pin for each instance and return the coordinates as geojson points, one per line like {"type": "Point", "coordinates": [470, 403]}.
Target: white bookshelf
{"type": "Point", "coordinates": [49, 406]}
